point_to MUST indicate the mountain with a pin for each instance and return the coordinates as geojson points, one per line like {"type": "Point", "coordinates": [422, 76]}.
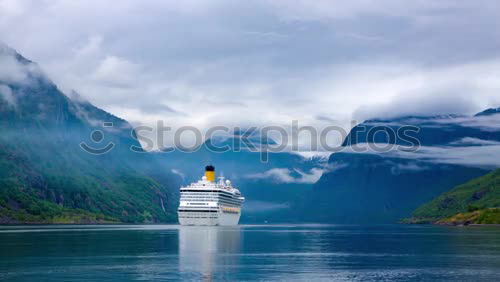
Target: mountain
{"type": "Point", "coordinates": [383, 186]}
{"type": "Point", "coordinates": [46, 176]}
{"type": "Point", "coordinates": [477, 201]}
{"type": "Point", "coordinates": [433, 130]}
{"type": "Point", "coordinates": [489, 112]}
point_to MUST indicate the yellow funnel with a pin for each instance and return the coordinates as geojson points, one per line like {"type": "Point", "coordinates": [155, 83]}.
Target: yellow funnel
{"type": "Point", "coordinates": [210, 173]}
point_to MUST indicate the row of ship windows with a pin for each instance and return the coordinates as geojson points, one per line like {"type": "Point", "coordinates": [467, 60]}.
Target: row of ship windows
{"type": "Point", "coordinates": [203, 212]}
{"type": "Point", "coordinates": [212, 200]}
{"type": "Point", "coordinates": [235, 212]}
{"type": "Point", "coordinates": [206, 204]}
{"type": "Point", "coordinates": [231, 203]}
{"type": "Point", "coordinates": [199, 199]}
{"type": "Point", "coordinates": [228, 195]}
{"type": "Point", "coordinates": [201, 206]}
{"type": "Point", "coordinates": [193, 208]}
{"type": "Point", "coordinates": [208, 196]}
{"type": "Point", "coordinates": [199, 210]}
{"type": "Point", "coordinates": [206, 192]}
{"type": "Point", "coordinates": [197, 217]}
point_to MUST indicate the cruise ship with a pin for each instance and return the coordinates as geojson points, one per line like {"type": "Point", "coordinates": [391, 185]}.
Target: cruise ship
{"type": "Point", "coordinates": [207, 202]}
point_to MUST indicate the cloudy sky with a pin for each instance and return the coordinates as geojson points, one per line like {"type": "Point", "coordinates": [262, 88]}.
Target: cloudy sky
{"type": "Point", "coordinates": [217, 62]}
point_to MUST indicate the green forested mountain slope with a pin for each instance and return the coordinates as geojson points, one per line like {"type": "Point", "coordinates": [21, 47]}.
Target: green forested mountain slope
{"type": "Point", "coordinates": [45, 176]}
{"type": "Point", "coordinates": [477, 201]}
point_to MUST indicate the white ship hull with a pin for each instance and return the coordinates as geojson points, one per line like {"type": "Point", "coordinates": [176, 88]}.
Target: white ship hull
{"type": "Point", "coordinates": [219, 219]}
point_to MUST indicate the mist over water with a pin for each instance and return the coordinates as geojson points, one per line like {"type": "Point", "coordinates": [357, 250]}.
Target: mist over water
{"type": "Point", "coordinates": [248, 252]}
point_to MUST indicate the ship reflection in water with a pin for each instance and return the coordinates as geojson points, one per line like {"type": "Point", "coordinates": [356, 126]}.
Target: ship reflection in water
{"type": "Point", "coordinates": [206, 250]}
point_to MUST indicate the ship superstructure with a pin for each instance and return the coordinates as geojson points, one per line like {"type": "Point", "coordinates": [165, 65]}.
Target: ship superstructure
{"type": "Point", "coordinates": [207, 202]}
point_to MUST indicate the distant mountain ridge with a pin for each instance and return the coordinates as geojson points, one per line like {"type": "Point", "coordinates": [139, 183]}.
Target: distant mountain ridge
{"type": "Point", "coordinates": [433, 130]}
{"type": "Point", "coordinates": [488, 112]}
{"type": "Point", "coordinates": [383, 187]}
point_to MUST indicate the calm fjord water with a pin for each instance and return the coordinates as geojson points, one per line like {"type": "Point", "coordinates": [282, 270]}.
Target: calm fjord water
{"type": "Point", "coordinates": [268, 252]}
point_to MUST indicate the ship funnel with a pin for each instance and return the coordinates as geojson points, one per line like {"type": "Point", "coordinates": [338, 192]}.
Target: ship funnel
{"type": "Point", "coordinates": [210, 173]}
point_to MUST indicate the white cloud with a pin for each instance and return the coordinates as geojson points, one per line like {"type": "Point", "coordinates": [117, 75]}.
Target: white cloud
{"type": "Point", "coordinates": [477, 156]}
{"type": "Point", "coordinates": [279, 175]}
{"type": "Point", "coordinates": [178, 172]}
{"type": "Point", "coordinates": [116, 72]}
{"type": "Point", "coordinates": [445, 90]}
{"type": "Point", "coordinates": [474, 142]}
{"type": "Point", "coordinates": [334, 9]}
{"type": "Point", "coordinates": [10, 9]}
{"type": "Point", "coordinates": [11, 71]}
{"type": "Point", "coordinates": [6, 94]}
{"type": "Point", "coordinates": [320, 156]}
{"type": "Point", "coordinates": [285, 175]}
{"type": "Point", "coordinates": [485, 156]}
{"type": "Point", "coordinates": [312, 177]}
{"type": "Point", "coordinates": [486, 123]}
{"type": "Point", "coordinates": [408, 167]}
